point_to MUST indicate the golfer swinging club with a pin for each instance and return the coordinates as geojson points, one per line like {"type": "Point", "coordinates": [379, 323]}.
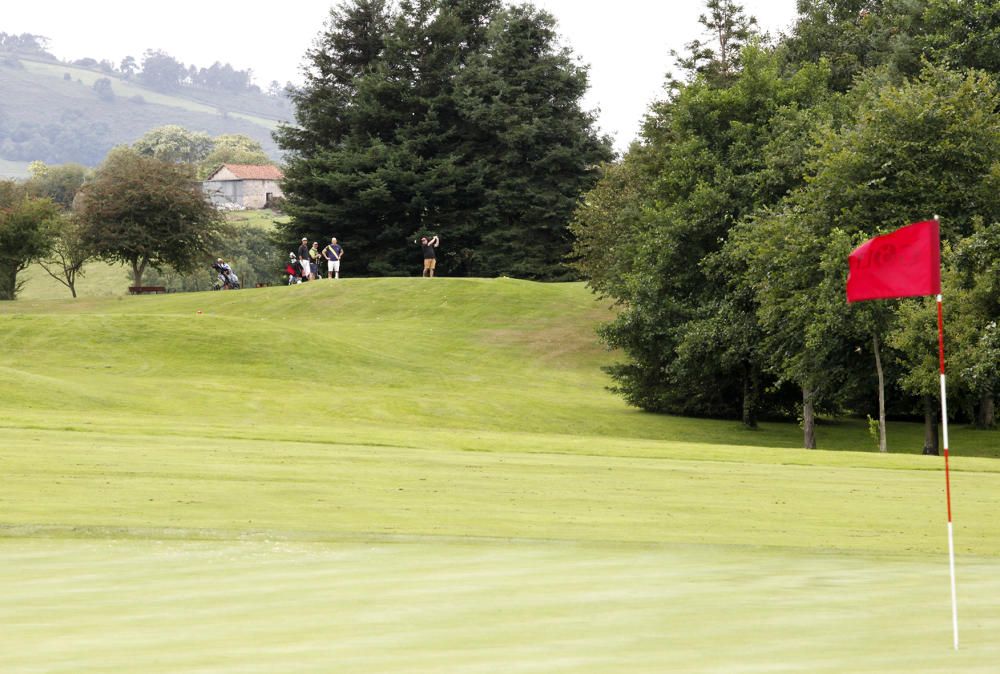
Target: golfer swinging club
{"type": "Point", "coordinates": [430, 257]}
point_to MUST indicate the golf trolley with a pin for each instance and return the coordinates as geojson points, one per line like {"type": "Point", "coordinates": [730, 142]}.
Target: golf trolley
{"type": "Point", "coordinates": [226, 279]}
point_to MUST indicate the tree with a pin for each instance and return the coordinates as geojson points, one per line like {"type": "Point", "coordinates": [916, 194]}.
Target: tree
{"type": "Point", "coordinates": [232, 149]}
{"type": "Point", "coordinates": [143, 211]}
{"type": "Point", "coordinates": [530, 145]}
{"type": "Point", "coordinates": [174, 143]}
{"type": "Point", "coordinates": [711, 155]}
{"type": "Point", "coordinates": [60, 183]}
{"type": "Point", "coordinates": [913, 149]}
{"type": "Point", "coordinates": [23, 233]}
{"type": "Point", "coordinates": [855, 35]}
{"type": "Point", "coordinates": [961, 34]}
{"type": "Point", "coordinates": [219, 76]}
{"type": "Point", "coordinates": [68, 252]}
{"type": "Point", "coordinates": [446, 116]}
{"type": "Point", "coordinates": [977, 283]}
{"type": "Point", "coordinates": [103, 89]}
{"type": "Point", "coordinates": [275, 90]}
{"type": "Point", "coordinates": [349, 49]}
{"type": "Point", "coordinates": [731, 30]}
{"type": "Point", "coordinates": [128, 67]}
{"type": "Point", "coordinates": [161, 71]}
{"type": "Point", "coordinates": [607, 226]}
{"type": "Point", "coordinates": [26, 43]}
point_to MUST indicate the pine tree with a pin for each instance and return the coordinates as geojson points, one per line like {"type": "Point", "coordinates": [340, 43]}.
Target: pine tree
{"type": "Point", "coordinates": [533, 145]}
{"type": "Point", "coordinates": [401, 131]}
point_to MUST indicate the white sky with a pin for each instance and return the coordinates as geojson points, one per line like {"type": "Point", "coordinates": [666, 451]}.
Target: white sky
{"type": "Point", "coordinates": [626, 42]}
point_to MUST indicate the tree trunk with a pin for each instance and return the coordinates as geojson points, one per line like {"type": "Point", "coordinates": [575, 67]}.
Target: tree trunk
{"type": "Point", "coordinates": [749, 399]}
{"type": "Point", "coordinates": [986, 414]}
{"type": "Point", "coordinates": [138, 269]}
{"type": "Point", "coordinates": [808, 418]}
{"type": "Point", "coordinates": [8, 282]}
{"type": "Point", "coordinates": [71, 279]}
{"type": "Point", "coordinates": [930, 426]}
{"type": "Point", "coordinates": [882, 446]}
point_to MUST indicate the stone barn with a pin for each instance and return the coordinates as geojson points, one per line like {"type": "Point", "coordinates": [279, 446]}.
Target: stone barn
{"type": "Point", "coordinates": [239, 186]}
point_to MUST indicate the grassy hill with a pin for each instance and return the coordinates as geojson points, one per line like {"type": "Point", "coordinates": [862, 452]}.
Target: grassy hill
{"type": "Point", "coordinates": [56, 107]}
{"type": "Point", "coordinates": [402, 475]}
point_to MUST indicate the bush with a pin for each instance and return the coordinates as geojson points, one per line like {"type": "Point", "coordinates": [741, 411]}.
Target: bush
{"type": "Point", "coordinates": [103, 89]}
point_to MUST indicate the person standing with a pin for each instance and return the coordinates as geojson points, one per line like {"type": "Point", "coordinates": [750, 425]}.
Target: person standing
{"type": "Point", "coordinates": [430, 256]}
{"type": "Point", "coordinates": [304, 259]}
{"type": "Point", "coordinates": [314, 257]}
{"type": "Point", "coordinates": [333, 252]}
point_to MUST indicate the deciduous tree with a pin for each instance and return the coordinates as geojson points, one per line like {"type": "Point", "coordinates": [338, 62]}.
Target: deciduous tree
{"type": "Point", "coordinates": [68, 252]}
{"type": "Point", "coordinates": [232, 149]}
{"type": "Point", "coordinates": [24, 222]}
{"type": "Point", "coordinates": [142, 211]}
{"type": "Point", "coordinates": [59, 182]}
{"type": "Point", "coordinates": [173, 143]}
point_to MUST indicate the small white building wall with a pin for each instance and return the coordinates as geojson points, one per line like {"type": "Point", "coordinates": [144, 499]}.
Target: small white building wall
{"type": "Point", "coordinates": [245, 193]}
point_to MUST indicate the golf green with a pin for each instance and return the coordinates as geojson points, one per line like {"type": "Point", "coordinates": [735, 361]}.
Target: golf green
{"type": "Point", "coordinates": [404, 475]}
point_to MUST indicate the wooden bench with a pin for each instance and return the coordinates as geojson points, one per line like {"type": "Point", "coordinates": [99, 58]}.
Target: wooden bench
{"type": "Point", "coordinates": [146, 290]}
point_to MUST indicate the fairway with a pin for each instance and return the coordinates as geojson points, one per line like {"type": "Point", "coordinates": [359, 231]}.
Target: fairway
{"type": "Point", "coordinates": [404, 475]}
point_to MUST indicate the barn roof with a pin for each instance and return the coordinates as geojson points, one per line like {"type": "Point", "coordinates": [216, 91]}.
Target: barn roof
{"type": "Point", "coordinates": [250, 172]}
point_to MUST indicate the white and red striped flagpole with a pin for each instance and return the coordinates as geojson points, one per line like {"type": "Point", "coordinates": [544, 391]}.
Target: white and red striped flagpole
{"type": "Point", "coordinates": [947, 473]}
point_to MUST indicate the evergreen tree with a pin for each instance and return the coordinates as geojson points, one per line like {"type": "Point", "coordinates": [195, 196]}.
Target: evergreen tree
{"type": "Point", "coordinates": [532, 145]}
{"type": "Point", "coordinates": [401, 131]}
{"type": "Point", "coordinates": [730, 30]}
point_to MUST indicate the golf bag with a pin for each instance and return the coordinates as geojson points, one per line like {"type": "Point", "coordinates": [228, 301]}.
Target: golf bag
{"type": "Point", "coordinates": [227, 278]}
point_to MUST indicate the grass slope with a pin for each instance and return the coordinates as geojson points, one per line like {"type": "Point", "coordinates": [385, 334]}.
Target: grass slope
{"type": "Point", "coordinates": [231, 104]}
{"type": "Point", "coordinates": [402, 475]}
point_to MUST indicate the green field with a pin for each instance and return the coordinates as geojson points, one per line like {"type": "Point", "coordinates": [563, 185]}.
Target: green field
{"type": "Point", "coordinates": [406, 475]}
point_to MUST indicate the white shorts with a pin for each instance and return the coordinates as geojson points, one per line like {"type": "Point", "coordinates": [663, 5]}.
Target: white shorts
{"type": "Point", "coordinates": [333, 265]}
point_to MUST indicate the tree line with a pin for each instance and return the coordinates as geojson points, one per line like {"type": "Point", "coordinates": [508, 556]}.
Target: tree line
{"type": "Point", "coordinates": [156, 69]}
{"type": "Point", "coordinates": [723, 233]}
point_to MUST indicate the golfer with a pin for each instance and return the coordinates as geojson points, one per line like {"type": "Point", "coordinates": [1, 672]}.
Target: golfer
{"type": "Point", "coordinates": [314, 257]}
{"type": "Point", "coordinates": [430, 256]}
{"type": "Point", "coordinates": [333, 252]}
{"type": "Point", "coordinates": [304, 259]}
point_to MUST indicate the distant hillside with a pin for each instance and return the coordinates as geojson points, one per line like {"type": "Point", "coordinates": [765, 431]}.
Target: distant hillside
{"type": "Point", "coordinates": [53, 112]}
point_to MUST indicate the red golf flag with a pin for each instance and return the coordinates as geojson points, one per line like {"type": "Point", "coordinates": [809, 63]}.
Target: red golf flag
{"type": "Point", "coordinates": [904, 263]}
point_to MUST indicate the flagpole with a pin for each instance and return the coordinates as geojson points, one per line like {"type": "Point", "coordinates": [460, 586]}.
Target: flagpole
{"type": "Point", "coordinates": [947, 473]}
